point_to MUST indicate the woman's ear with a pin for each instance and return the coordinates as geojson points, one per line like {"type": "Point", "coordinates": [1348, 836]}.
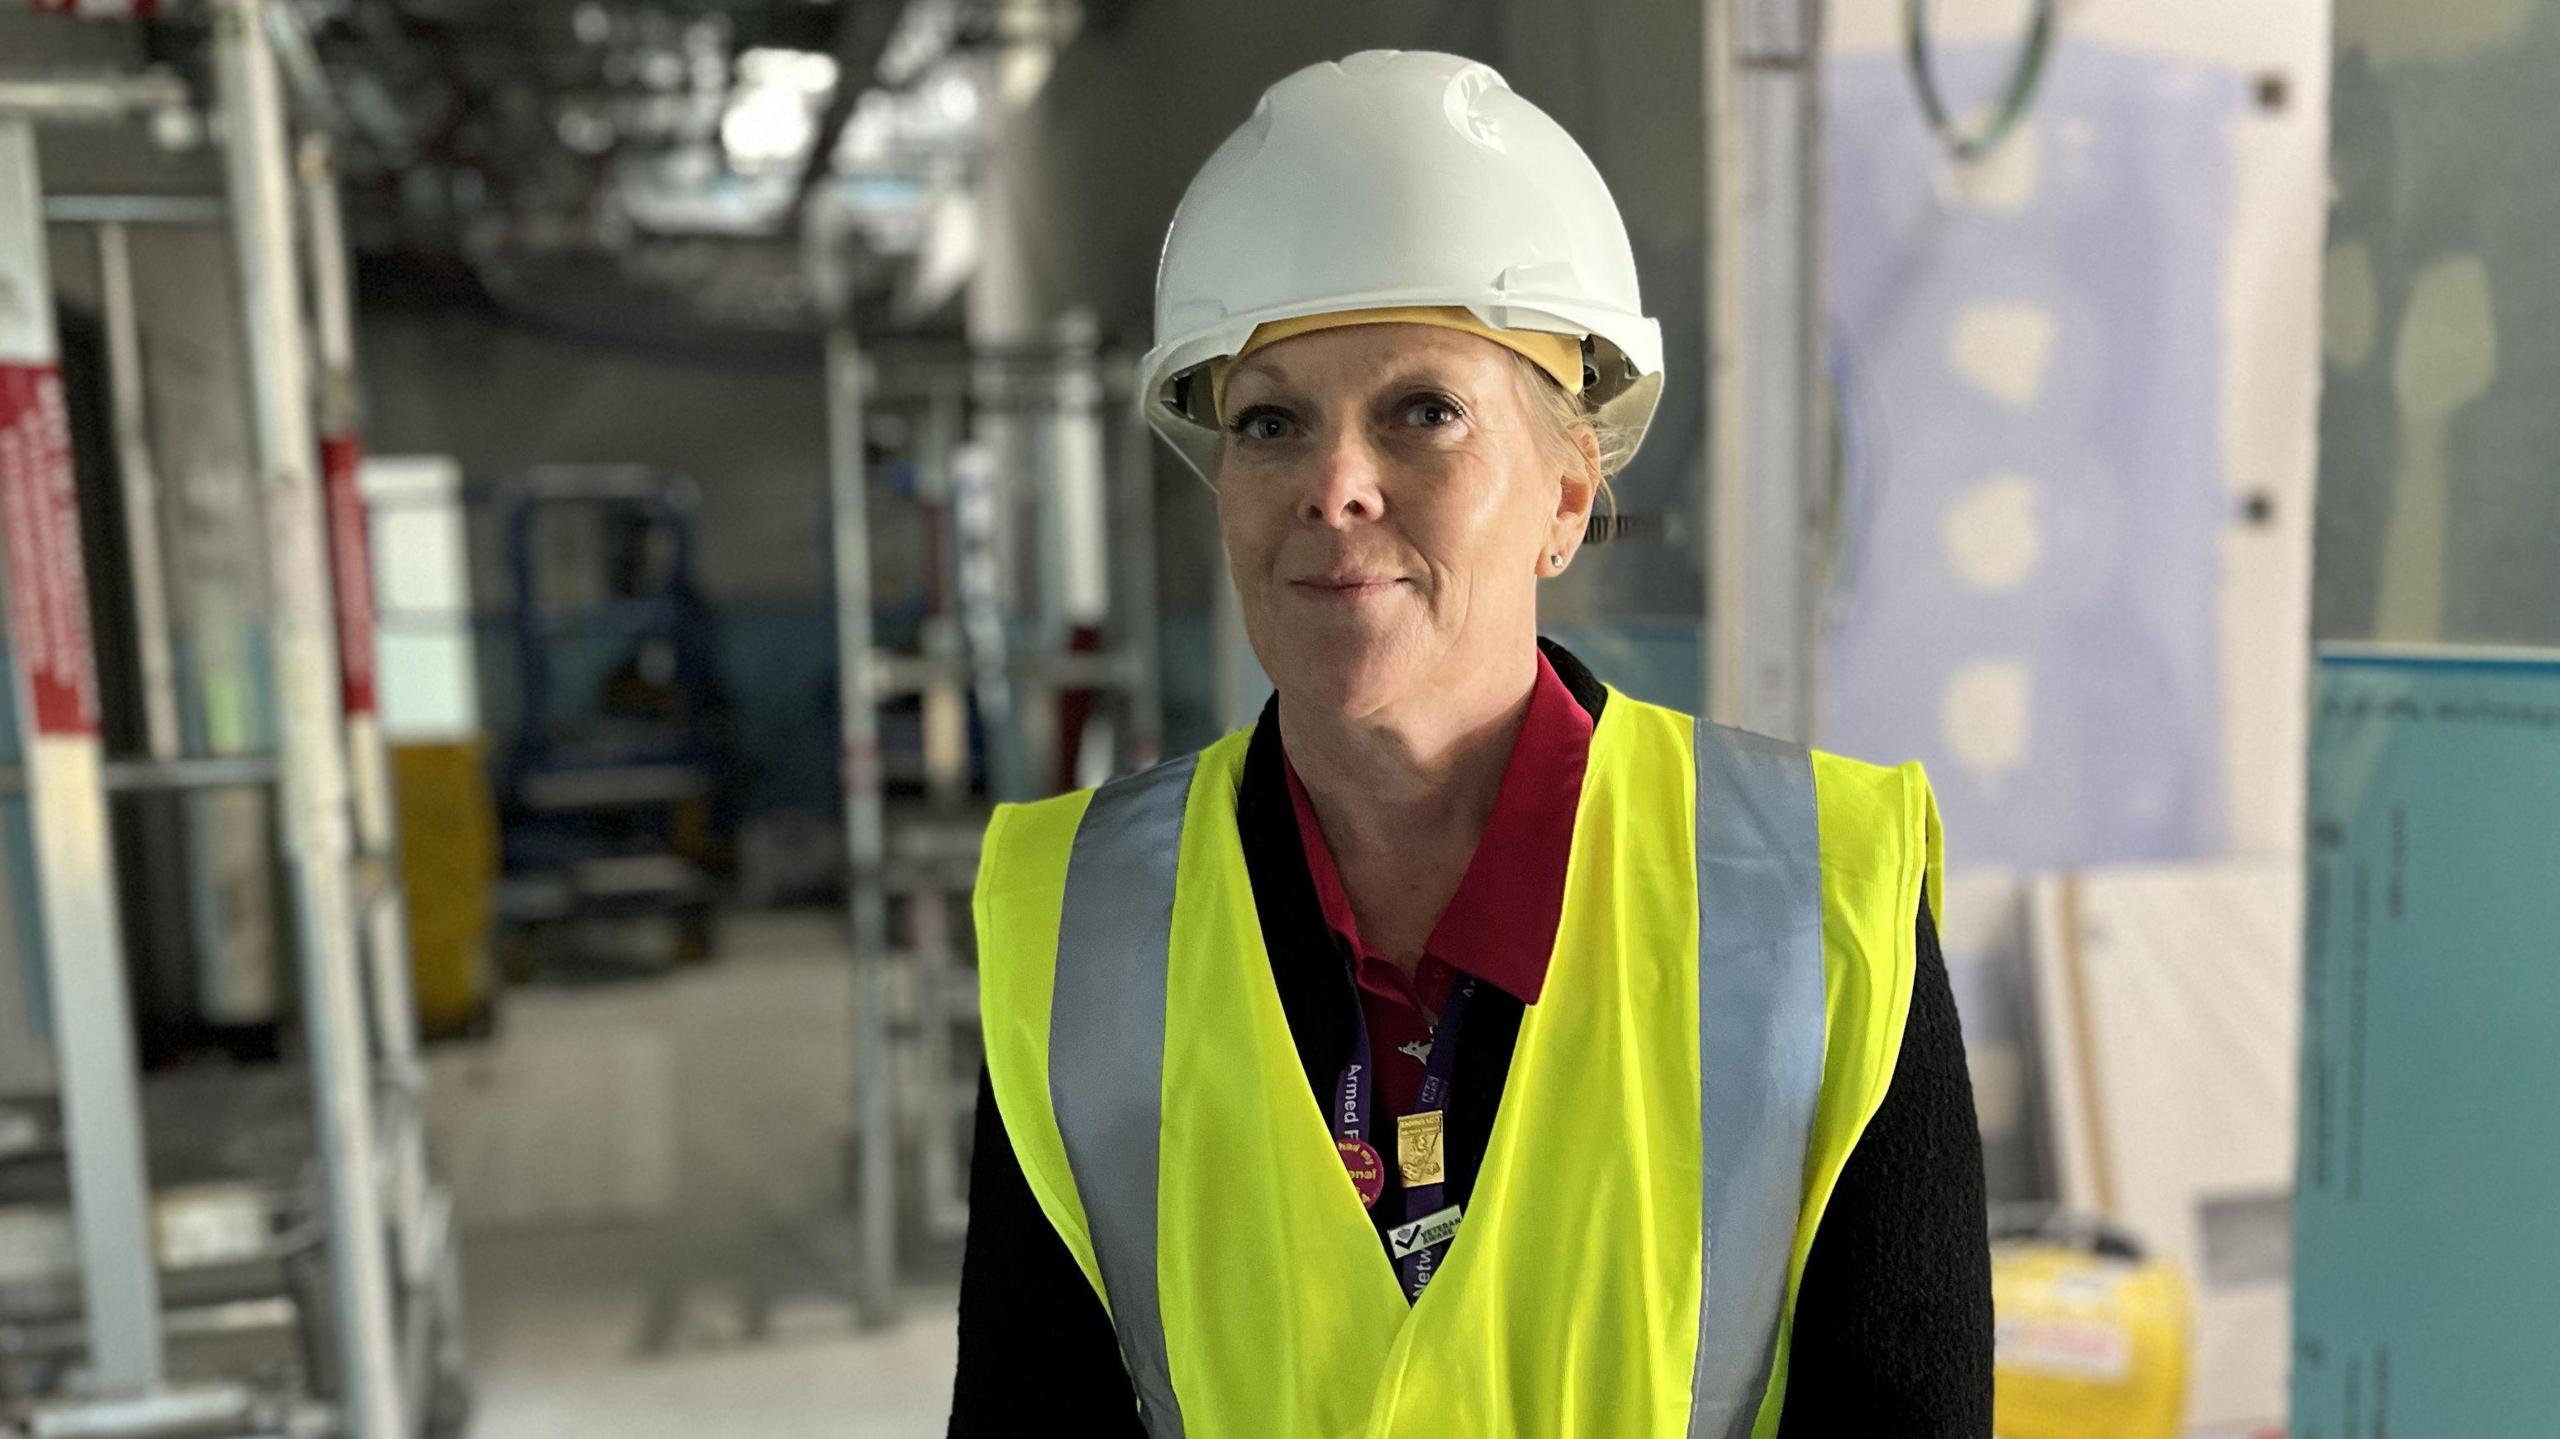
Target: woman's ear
{"type": "Point", "coordinates": [1576, 494]}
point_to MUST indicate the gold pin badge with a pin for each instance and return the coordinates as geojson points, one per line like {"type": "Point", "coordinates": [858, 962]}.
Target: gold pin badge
{"type": "Point", "coordinates": [1418, 1151]}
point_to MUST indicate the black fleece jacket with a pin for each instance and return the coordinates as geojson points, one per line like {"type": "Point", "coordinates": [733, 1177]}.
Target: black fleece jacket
{"type": "Point", "coordinates": [1893, 1322]}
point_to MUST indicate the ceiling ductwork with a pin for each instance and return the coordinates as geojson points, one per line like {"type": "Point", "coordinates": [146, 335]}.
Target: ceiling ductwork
{"type": "Point", "coordinates": [715, 171]}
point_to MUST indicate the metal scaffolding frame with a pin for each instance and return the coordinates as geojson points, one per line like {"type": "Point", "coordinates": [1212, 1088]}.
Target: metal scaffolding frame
{"type": "Point", "coordinates": [422, 1222]}
{"type": "Point", "coordinates": [56, 685]}
{"type": "Point", "coordinates": [393, 1299]}
{"type": "Point", "coordinates": [915, 1005]}
{"type": "Point", "coordinates": [314, 795]}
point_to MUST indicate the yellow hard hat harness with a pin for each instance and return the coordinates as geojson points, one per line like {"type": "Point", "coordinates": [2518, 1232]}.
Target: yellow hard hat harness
{"type": "Point", "coordinates": [1200, 393]}
{"type": "Point", "coordinates": [1720, 1021]}
{"type": "Point", "coordinates": [1560, 356]}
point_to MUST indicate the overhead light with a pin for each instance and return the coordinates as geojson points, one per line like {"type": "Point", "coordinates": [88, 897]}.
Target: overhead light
{"type": "Point", "coordinates": [766, 128]}
{"type": "Point", "coordinates": [955, 96]}
{"type": "Point", "coordinates": [807, 72]}
{"type": "Point", "coordinates": [772, 113]}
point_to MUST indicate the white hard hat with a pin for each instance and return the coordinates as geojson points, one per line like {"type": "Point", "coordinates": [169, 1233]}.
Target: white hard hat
{"type": "Point", "coordinates": [1390, 179]}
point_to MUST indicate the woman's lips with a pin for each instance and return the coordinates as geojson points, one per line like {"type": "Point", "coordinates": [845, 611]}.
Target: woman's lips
{"type": "Point", "coordinates": [1345, 587]}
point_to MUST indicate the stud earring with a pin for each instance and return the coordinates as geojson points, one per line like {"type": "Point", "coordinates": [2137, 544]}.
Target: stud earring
{"type": "Point", "coordinates": [1555, 559]}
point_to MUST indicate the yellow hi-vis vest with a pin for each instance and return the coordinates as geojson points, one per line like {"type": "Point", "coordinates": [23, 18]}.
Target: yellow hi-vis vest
{"type": "Point", "coordinates": [1721, 1018]}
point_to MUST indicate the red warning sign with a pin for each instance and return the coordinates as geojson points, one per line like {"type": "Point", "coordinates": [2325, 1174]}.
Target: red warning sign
{"type": "Point", "coordinates": [350, 568]}
{"type": "Point", "coordinates": [48, 583]}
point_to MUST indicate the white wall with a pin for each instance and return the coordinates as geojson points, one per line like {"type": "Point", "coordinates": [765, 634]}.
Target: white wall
{"type": "Point", "coordinates": [2270, 343]}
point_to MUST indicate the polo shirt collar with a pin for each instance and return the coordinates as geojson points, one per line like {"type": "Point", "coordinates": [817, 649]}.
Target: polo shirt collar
{"type": "Point", "coordinates": [1500, 925]}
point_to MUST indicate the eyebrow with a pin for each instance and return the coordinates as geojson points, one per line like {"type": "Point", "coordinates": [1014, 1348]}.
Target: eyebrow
{"type": "Point", "coordinates": [1415, 374]}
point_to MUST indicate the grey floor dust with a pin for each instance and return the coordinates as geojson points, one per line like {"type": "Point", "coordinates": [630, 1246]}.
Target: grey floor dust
{"type": "Point", "coordinates": [647, 1177]}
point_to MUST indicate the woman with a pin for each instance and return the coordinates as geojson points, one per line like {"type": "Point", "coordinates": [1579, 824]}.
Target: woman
{"type": "Point", "coordinates": [1638, 1103]}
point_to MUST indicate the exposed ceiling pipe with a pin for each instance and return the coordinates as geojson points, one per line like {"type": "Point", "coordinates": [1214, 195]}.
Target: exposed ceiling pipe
{"type": "Point", "coordinates": [860, 38]}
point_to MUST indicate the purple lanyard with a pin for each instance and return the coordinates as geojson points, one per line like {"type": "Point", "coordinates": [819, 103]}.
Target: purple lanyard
{"type": "Point", "coordinates": [1351, 1119]}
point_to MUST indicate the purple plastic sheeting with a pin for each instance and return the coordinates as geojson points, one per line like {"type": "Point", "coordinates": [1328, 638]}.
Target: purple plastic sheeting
{"type": "Point", "coordinates": [2025, 595]}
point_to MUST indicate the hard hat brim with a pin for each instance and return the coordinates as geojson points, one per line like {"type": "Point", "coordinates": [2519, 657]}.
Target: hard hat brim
{"type": "Point", "coordinates": [1629, 348]}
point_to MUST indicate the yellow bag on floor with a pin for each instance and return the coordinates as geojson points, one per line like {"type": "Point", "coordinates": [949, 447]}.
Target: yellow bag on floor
{"type": "Point", "coordinates": [2092, 1339]}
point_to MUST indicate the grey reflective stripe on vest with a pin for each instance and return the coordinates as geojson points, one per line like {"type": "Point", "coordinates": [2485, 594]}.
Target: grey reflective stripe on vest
{"type": "Point", "coordinates": [1761, 1024]}
{"type": "Point", "coordinates": [1106, 1050]}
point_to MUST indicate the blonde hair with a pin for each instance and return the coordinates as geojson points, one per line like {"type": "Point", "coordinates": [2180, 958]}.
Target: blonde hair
{"type": "Point", "coordinates": [1562, 417]}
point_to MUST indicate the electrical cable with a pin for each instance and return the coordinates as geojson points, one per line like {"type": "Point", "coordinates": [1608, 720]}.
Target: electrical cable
{"type": "Point", "coordinates": [2017, 93]}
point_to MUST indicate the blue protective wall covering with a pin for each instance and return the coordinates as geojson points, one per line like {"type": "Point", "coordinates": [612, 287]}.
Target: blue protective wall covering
{"type": "Point", "coordinates": [2029, 370]}
{"type": "Point", "coordinates": [2427, 1268]}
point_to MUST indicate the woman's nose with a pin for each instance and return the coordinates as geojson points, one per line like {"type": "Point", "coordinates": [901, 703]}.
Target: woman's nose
{"type": "Point", "coordinates": [1342, 483]}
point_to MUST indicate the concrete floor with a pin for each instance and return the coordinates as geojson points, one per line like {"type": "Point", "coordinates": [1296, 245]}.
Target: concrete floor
{"type": "Point", "coordinates": [647, 1174]}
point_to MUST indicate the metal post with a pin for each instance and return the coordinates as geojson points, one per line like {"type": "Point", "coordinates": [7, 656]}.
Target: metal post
{"type": "Point", "coordinates": [314, 799]}
{"type": "Point", "coordinates": [977, 526]}
{"type": "Point", "coordinates": [57, 697]}
{"type": "Point", "coordinates": [865, 841]}
{"type": "Point", "coordinates": [1763, 71]}
{"type": "Point", "coordinates": [1078, 476]}
{"type": "Point", "coordinates": [938, 1100]}
{"type": "Point", "coordinates": [946, 684]}
{"type": "Point", "coordinates": [1721, 551]}
{"type": "Point", "coordinates": [944, 1207]}
{"type": "Point", "coordinates": [350, 554]}
{"type": "Point", "coordinates": [26, 1054]}
{"type": "Point", "coordinates": [383, 898]}
{"type": "Point", "coordinates": [89, 99]}
{"type": "Point", "coordinates": [1082, 586]}
{"type": "Point", "coordinates": [1031, 450]}
{"type": "Point", "coordinates": [1139, 642]}
{"type": "Point", "coordinates": [1011, 510]}
{"type": "Point", "coordinates": [177, 776]}
{"type": "Point", "coordinates": [140, 480]}
{"type": "Point", "coordinates": [131, 210]}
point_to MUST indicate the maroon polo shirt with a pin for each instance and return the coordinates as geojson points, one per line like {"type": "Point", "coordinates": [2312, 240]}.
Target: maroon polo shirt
{"type": "Point", "coordinates": [1500, 926]}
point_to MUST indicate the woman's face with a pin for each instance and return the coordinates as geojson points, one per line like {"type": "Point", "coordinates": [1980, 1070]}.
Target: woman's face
{"type": "Point", "coordinates": [1389, 499]}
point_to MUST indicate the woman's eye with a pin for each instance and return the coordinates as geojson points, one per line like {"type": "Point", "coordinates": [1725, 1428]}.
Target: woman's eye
{"type": "Point", "coordinates": [1431, 412]}
{"type": "Point", "coordinates": [1260, 425]}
